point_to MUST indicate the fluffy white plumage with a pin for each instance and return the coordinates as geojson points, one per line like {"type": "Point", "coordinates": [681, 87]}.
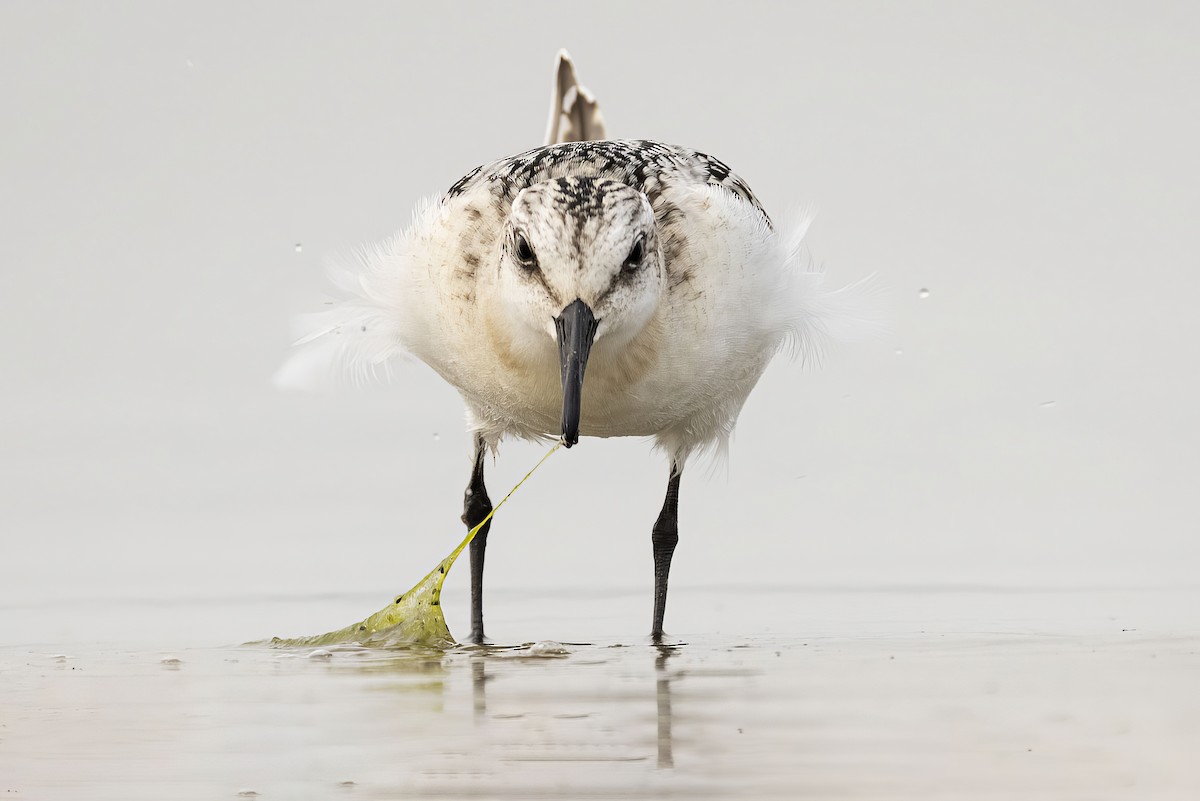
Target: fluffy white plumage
{"type": "Point", "coordinates": [734, 292]}
{"type": "Point", "coordinates": [681, 340]}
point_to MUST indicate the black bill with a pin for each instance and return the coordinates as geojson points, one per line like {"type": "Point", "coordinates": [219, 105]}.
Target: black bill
{"type": "Point", "coordinates": [576, 327]}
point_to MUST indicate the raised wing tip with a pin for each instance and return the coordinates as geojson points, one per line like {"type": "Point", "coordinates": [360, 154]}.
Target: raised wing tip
{"type": "Point", "coordinates": [574, 113]}
{"type": "Point", "coordinates": [564, 73]}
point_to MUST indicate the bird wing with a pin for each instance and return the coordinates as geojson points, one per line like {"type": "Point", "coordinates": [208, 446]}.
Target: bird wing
{"type": "Point", "coordinates": [574, 113]}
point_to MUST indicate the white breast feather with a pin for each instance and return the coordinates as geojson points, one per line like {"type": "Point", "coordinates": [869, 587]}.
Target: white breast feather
{"type": "Point", "coordinates": [752, 293]}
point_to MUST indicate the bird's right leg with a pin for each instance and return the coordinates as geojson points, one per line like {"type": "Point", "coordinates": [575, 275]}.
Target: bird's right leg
{"type": "Point", "coordinates": [477, 506]}
{"type": "Point", "coordinates": [663, 538]}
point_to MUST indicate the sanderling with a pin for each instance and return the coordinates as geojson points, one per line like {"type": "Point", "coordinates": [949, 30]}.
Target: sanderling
{"type": "Point", "coordinates": [587, 288]}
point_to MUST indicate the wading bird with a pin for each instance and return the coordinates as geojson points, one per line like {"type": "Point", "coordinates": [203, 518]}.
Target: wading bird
{"type": "Point", "coordinates": [589, 288]}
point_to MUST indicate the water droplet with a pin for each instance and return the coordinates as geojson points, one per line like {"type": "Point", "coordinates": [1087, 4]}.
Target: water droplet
{"type": "Point", "coordinates": [924, 293]}
{"type": "Point", "coordinates": [299, 248]}
{"type": "Point", "coordinates": [1048, 404]}
{"type": "Point", "coordinates": [189, 63]}
{"type": "Point", "coordinates": [899, 351]}
{"type": "Point", "coordinates": [436, 436]}
{"type": "Point", "coordinates": [548, 648]}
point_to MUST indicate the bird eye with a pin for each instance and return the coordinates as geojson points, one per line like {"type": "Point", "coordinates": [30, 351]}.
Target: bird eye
{"type": "Point", "coordinates": [523, 251]}
{"type": "Point", "coordinates": [636, 254]}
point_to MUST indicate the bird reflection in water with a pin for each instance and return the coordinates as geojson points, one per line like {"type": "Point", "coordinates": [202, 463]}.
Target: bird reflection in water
{"type": "Point", "coordinates": [480, 676]}
{"type": "Point", "coordinates": [662, 694]}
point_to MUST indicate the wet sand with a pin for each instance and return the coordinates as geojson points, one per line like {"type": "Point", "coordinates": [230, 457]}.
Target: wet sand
{"type": "Point", "coordinates": [891, 694]}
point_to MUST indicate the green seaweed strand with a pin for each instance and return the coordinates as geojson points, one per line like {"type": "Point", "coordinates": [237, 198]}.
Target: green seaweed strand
{"type": "Point", "coordinates": [415, 617]}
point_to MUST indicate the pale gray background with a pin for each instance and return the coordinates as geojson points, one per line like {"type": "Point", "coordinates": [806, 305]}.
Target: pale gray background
{"type": "Point", "coordinates": [1033, 165]}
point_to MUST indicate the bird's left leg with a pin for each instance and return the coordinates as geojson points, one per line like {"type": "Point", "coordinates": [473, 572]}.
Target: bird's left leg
{"type": "Point", "coordinates": [663, 540]}
{"type": "Point", "coordinates": [477, 506]}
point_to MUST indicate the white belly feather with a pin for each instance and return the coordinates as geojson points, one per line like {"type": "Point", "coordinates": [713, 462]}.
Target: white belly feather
{"type": "Point", "coordinates": [738, 293]}
{"type": "Point", "coordinates": [682, 379]}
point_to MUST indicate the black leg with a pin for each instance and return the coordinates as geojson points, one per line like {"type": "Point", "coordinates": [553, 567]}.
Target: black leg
{"type": "Point", "coordinates": [476, 506]}
{"type": "Point", "coordinates": [664, 538]}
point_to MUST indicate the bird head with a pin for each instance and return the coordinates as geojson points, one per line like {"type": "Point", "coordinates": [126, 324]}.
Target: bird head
{"type": "Point", "coordinates": [580, 262]}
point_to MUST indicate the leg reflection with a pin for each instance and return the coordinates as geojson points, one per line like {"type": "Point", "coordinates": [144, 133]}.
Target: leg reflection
{"type": "Point", "coordinates": [479, 679]}
{"type": "Point", "coordinates": [663, 696]}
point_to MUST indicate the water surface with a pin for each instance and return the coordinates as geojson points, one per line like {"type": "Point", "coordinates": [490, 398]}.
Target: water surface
{"type": "Point", "coordinates": [776, 693]}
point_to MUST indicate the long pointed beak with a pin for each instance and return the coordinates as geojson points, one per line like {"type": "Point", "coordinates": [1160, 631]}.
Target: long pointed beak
{"type": "Point", "coordinates": [576, 327]}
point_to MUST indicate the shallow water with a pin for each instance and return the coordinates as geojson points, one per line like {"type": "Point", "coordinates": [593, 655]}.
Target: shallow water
{"type": "Point", "coordinates": [777, 693]}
